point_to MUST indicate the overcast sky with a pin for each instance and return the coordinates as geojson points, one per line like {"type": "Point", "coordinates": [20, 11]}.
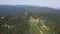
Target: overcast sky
{"type": "Point", "coordinates": [46, 3]}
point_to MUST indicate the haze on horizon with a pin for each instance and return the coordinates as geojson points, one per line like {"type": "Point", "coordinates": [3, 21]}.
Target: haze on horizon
{"type": "Point", "coordinates": [44, 3]}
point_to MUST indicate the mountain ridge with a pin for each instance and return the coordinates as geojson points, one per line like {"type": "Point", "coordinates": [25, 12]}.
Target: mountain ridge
{"type": "Point", "coordinates": [21, 9]}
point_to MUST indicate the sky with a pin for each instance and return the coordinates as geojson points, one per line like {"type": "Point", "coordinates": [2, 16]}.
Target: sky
{"type": "Point", "coordinates": [45, 3]}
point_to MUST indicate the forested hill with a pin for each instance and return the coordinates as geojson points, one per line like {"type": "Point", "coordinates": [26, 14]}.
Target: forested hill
{"type": "Point", "coordinates": [21, 9]}
{"type": "Point", "coordinates": [31, 19]}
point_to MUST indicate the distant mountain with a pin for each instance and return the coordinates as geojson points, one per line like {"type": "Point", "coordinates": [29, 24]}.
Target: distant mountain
{"type": "Point", "coordinates": [21, 9]}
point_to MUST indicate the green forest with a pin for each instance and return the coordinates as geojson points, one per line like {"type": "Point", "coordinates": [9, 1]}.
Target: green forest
{"type": "Point", "coordinates": [29, 20]}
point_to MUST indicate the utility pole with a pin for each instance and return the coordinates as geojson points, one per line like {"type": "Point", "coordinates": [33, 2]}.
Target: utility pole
{"type": "Point", "coordinates": [26, 23]}
{"type": "Point", "coordinates": [26, 13]}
